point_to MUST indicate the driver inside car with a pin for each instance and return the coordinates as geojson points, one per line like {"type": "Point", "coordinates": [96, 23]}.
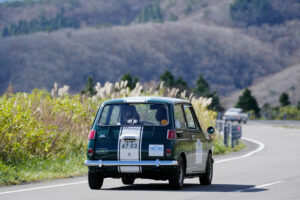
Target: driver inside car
{"type": "Point", "coordinates": [161, 116]}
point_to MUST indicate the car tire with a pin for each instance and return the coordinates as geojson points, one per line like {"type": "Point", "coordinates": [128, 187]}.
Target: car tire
{"type": "Point", "coordinates": [207, 177]}
{"type": "Point", "coordinates": [127, 180]}
{"type": "Point", "coordinates": [177, 180]}
{"type": "Point", "coordinates": [245, 122]}
{"type": "Point", "coordinates": [95, 180]}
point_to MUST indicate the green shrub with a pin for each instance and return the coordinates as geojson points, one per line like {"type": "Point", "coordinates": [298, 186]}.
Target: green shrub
{"type": "Point", "coordinates": [289, 113]}
{"type": "Point", "coordinates": [38, 125]}
{"type": "Point", "coordinates": [22, 136]}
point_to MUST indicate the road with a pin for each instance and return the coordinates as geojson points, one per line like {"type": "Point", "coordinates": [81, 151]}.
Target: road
{"type": "Point", "coordinates": [267, 169]}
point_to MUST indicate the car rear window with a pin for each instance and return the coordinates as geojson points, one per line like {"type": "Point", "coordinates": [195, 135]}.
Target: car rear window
{"type": "Point", "coordinates": [138, 114]}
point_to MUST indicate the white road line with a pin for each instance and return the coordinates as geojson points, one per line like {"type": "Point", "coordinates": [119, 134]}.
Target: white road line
{"type": "Point", "coordinates": [44, 187]}
{"type": "Point", "coordinates": [261, 147]}
{"type": "Point", "coordinates": [258, 186]}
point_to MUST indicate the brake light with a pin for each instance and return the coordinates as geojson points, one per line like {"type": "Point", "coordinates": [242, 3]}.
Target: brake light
{"type": "Point", "coordinates": [238, 128]}
{"type": "Point", "coordinates": [90, 151]}
{"type": "Point", "coordinates": [168, 152]}
{"type": "Point", "coordinates": [171, 135]}
{"type": "Point", "coordinates": [92, 135]}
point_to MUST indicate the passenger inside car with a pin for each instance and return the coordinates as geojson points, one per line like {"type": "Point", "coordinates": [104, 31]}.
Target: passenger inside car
{"type": "Point", "coordinates": [130, 115]}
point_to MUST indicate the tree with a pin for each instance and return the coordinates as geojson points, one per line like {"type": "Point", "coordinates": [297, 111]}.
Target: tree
{"type": "Point", "coordinates": [247, 102]}
{"type": "Point", "coordinates": [10, 89]}
{"type": "Point", "coordinates": [5, 32]}
{"type": "Point", "coordinates": [151, 13]}
{"type": "Point", "coordinates": [131, 81]}
{"type": "Point", "coordinates": [168, 78]}
{"type": "Point", "coordinates": [215, 103]}
{"type": "Point", "coordinates": [173, 17]}
{"type": "Point", "coordinates": [89, 87]}
{"type": "Point", "coordinates": [255, 12]}
{"type": "Point", "coordinates": [284, 99]}
{"type": "Point", "coordinates": [202, 87]}
{"type": "Point", "coordinates": [181, 84]}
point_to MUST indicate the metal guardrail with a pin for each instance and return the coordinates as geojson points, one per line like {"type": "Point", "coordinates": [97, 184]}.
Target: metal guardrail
{"type": "Point", "coordinates": [230, 131]}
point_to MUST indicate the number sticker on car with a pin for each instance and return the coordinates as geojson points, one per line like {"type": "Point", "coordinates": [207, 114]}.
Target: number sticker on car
{"type": "Point", "coordinates": [131, 144]}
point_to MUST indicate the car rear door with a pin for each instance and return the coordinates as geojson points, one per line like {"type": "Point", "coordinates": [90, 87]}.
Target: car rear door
{"type": "Point", "coordinates": [198, 140]}
{"type": "Point", "coordinates": [184, 142]}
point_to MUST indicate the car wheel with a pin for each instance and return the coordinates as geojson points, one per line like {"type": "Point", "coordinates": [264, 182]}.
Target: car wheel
{"type": "Point", "coordinates": [206, 178]}
{"type": "Point", "coordinates": [245, 122]}
{"type": "Point", "coordinates": [176, 181]}
{"type": "Point", "coordinates": [127, 180]}
{"type": "Point", "coordinates": [95, 180]}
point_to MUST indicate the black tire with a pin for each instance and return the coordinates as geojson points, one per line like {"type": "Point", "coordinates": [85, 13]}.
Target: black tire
{"type": "Point", "coordinates": [127, 180]}
{"type": "Point", "coordinates": [95, 180]}
{"type": "Point", "coordinates": [245, 122]}
{"type": "Point", "coordinates": [206, 178]}
{"type": "Point", "coordinates": [176, 181]}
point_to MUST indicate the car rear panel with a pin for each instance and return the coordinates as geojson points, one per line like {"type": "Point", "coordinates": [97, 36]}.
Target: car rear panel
{"type": "Point", "coordinates": [152, 145]}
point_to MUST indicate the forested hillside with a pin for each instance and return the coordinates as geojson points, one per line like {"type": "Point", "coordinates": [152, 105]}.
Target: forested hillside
{"type": "Point", "coordinates": [64, 41]}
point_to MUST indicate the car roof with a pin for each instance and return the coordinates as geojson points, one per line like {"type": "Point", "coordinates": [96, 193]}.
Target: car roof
{"type": "Point", "coordinates": [146, 99]}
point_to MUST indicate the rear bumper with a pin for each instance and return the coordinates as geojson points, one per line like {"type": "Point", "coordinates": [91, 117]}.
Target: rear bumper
{"type": "Point", "coordinates": [157, 163]}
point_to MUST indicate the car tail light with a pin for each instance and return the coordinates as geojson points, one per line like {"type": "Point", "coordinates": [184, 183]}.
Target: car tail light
{"type": "Point", "coordinates": [238, 128]}
{"type": "Point", "coordinates": [171, 135]}
{"type": "Point", "coordinates": [92, 135]}
{"type": "Point", "coordinates": [90, 151]}
{"type": "Point", "coordinates": [168, 152]}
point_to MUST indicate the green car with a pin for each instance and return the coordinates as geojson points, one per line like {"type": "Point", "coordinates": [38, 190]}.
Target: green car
{"type": "Point", "coordinates": [148, 137]}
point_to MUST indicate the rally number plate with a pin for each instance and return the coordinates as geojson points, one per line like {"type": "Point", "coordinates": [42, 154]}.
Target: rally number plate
{"type": "Point", "coordinates": [129, 144]}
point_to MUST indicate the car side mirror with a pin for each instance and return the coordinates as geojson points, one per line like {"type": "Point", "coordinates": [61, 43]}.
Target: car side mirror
{"type": "Point", "coordinates": [210, 130]}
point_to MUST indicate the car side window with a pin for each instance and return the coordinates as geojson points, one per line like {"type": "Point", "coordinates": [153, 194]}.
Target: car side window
{"type": "Point", "coordinates": [179, 117]}
{"type": "Point", "coordinates": [197, 123]}
{"type": "Point", "coordinates": [189, 117]}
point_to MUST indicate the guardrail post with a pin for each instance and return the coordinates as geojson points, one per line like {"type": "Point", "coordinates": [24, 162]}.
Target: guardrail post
{"type": "Point", "coordinates": [227, 132]}
{"type": "Point", "coordinates": [236, 134]}
{"type": "Point", "coordinates": [220, 126]}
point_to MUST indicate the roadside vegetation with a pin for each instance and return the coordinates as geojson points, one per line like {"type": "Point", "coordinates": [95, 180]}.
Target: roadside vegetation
{"type": "Point", "coordinates": [44, 135]}
{"type": "Point", "coordinates": [284, 111]}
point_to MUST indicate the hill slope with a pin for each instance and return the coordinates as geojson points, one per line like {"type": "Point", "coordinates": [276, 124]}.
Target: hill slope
{"type": "Point", "coordinates": [187, 49]}
{"type": "Point", "coordinates": [271, 87]}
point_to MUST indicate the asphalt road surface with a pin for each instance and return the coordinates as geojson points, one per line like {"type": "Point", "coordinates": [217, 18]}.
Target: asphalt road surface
{"type": "Point", "coordinates": [269, 168]}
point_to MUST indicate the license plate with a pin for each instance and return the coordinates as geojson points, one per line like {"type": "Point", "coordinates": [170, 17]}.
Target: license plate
{"type": "Point", "coordinates": [129, 144]}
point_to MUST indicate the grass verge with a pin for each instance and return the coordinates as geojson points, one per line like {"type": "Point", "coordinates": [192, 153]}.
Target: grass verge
{"type": "Point", "coordinates": [41, 168]}
{"type": "Point", "coordinates": [220, 148]}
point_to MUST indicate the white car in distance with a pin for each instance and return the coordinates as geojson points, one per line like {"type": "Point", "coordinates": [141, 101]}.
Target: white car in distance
{"type": "Point", "coordinates": [235, 114]}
